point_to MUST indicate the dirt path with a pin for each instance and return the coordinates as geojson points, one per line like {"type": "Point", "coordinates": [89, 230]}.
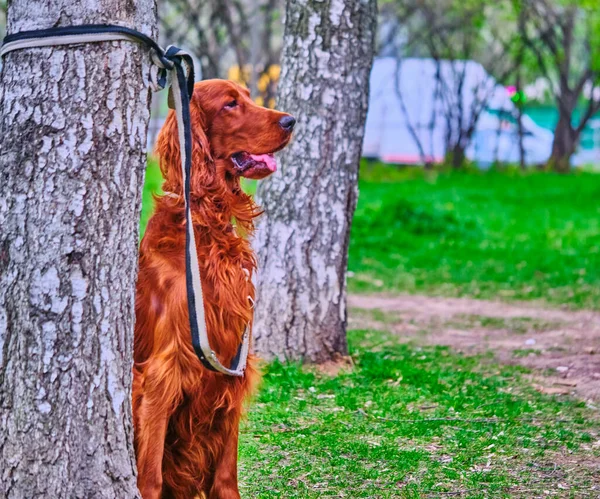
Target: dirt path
{"type": "Point", "coordinates": [562, 346]}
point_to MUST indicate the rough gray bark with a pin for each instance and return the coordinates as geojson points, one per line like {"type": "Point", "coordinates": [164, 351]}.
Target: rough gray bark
{"type": "Point", "coordinates": [303, 238]}
{"type": "Point", "coordinates": [72, 153]}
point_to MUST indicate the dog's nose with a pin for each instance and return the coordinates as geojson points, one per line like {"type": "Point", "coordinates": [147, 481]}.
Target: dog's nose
{"type": "Point", "coordinates": [287, 123]}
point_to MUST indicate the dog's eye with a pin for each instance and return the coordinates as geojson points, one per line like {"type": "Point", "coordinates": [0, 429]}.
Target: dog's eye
{"type": "Point", "coordinates": [231, 105]}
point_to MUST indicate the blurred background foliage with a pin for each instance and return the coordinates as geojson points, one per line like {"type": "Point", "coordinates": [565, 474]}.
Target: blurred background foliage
{"type": "Point", "coordinates": [546, 52]}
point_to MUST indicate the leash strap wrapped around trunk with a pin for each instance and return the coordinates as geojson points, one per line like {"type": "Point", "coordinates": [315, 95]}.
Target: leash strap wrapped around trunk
{"type": "Point", "coordinates": [179, 65]}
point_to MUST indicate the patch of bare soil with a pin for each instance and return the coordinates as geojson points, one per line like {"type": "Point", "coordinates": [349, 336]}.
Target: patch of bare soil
{"type": "Point", "coordinates": [335, 366]}
{"type": "Point", "coordinates": [562, 346]}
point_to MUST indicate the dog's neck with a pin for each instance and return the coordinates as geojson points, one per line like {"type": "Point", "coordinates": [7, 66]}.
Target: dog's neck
{"type": "Point", "coordinates": [217, 204]}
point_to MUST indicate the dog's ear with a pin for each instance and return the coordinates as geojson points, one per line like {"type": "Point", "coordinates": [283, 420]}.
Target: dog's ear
{"type": "Point", "coordinates": [167, 148]}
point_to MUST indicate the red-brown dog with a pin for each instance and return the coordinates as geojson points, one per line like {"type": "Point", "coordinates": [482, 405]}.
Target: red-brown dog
{"type": "Point", "coordinates": [186, 417]}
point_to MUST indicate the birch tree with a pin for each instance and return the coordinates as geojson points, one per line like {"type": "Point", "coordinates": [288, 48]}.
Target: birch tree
{"type": "Point", "coordinates": [303, 238]}
{"type": "Point", "coordinates": [73, 123]}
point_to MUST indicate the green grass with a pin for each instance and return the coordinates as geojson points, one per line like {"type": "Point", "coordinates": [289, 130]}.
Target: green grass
{"type": "Point", "coordinates": [526, 352]}
{"type": "Point", "coordinates": [486, 235]}
{"type": "Point", "coordinates": [520, 325]}
{"type": "Point", "coordinates": [414, 422]}
{"type": "Point", "coordinates": [152, 185]}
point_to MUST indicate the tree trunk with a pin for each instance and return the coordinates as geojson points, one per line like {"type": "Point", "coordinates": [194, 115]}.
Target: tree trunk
{"type": "Point", "coordinates": [520, 104]}
{"type": "Point", "coordinates": [303, 239]}
{"type": "Point", "coordinates": [521, 138]}
{"type": "Point", "coordinates": [456, 156]}
{"type": "Point", "coordinates": [564, 145]}
{"type": "Point", "coordinates": [73, 129]}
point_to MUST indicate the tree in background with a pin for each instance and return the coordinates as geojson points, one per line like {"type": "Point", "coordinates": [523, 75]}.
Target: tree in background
{"type": "Point", "coordinates": [564, 38]}
{"type": "Point", "coordinates": [453, 33]}
{"type": "Point", "coordinates": [303, 238]}
{"type": "Point", "coordinates": [239, 35]}
{"type": "Point", "coordinates": [2, 18]}
{"type": "Point", "coordinates": [73, 129]}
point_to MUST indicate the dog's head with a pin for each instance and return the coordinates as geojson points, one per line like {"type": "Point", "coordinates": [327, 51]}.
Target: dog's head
{"type": "Point", "coordinates": [240, 132]}
{"type": "Point", "coordinates": [229, 130]}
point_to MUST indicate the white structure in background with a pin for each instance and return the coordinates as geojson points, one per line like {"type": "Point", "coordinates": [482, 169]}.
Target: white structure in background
{"type": "Point", "coordinates": [424, 107]}
{"type": "Point", "coordinates": [496, 138]}
{"type": "Point", "coordinates": [590, 155]}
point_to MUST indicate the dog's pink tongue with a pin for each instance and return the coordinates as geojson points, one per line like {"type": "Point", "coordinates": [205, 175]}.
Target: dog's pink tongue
{"type": "Point", "coordinates": [267, 159]}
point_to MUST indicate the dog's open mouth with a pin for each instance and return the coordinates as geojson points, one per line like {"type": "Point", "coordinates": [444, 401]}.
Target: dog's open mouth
{"type": "Point", "coordinates": [254, 166]}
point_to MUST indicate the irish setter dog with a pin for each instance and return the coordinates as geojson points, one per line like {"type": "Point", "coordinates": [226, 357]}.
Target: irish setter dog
{"type": "Point", "coordinates": [186, 417]}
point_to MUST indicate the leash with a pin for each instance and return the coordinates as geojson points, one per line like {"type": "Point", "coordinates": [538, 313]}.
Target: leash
{"type": "Point", "coordinates": [178, 66]}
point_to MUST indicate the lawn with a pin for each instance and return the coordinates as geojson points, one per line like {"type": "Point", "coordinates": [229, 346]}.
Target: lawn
{"type": "Point", "coordinates": [413, 422]}
{"type": "Point", "coordinates": [484, 235]}
{"type": "Point", "coordinates": [152, 185]}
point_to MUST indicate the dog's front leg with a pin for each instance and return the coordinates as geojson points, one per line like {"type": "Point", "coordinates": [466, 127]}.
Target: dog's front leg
{"type": "Point", "coordinates": [225, 481]}
{"type": "Point", "coordinates": [151, 418]}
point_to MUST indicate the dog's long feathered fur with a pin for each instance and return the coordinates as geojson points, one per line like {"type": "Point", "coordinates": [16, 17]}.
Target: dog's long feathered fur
{"type": "Point", "coordinates": [186, 417]}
